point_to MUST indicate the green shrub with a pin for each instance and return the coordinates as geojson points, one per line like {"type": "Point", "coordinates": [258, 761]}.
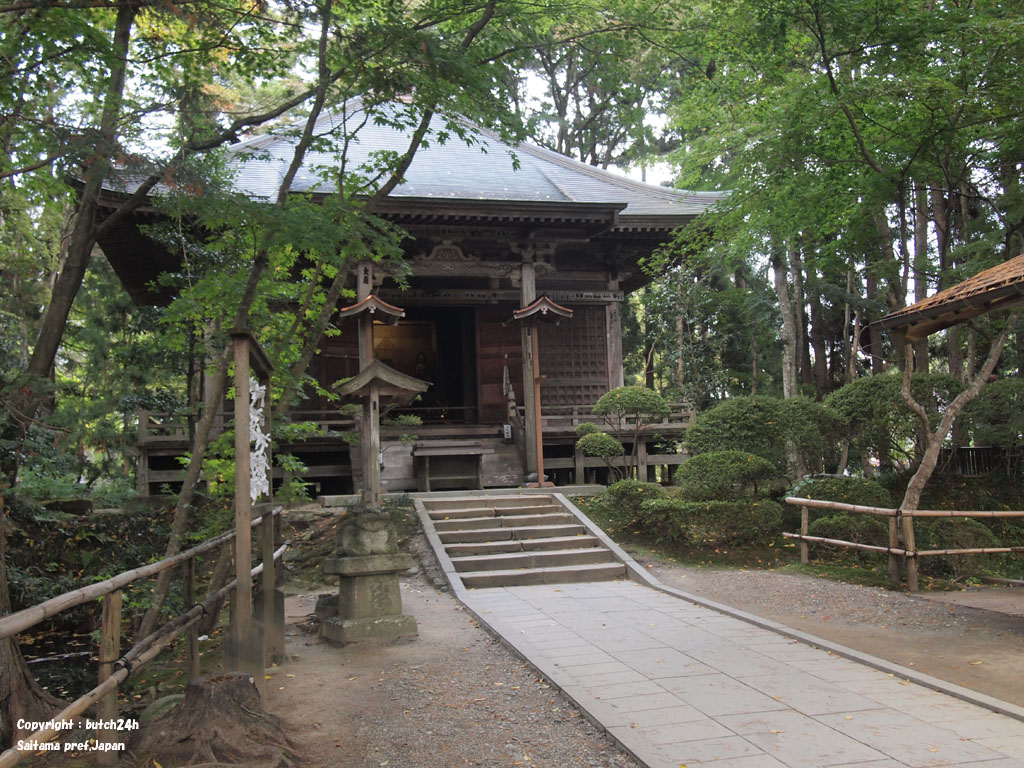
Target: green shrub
{"type": "Point", "coordinates": [763, 426]}
{"type": "Point", "coordinates": [664, 519]}
{"type": "Point", "coordinates": [623, 499]}
{"type": "Point", "coordinates": [599, 444]}
{"type": "Point", "coordinates": [877, 420]}
{"type": "Point", "coordinates": [637, 403]}
{"type": "Point", "coordinates": [845, 490]}
{"type": "Point", "coordinates": [851, 526]}
{"type": "Point", "coordinates": [586, 428]}
{"type": "Point", "coordinates": [723, 475]}
{"type": "Point", "coordinates": [956, 533]}
{"type": "Point", "coordinates": [738, 521]}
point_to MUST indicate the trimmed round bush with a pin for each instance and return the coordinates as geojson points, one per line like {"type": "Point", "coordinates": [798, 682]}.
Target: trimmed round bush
{"type": "Point", "coordinates": [664, 519]}
{"type": "Point", "coordinates": [643, 403]}
{"type": "Point", "coordinates": [599, 444]}
{"type": "Point", "coordinates": [851, 526]}
{"type": "Point", "coordinates": [621, 502]}
{"type": "Point", "coordinates": [738, 521]}
{"type": "Point", "coordinates": [585, 428]}
{"type": "Point", "coordinates": [723, 475]}
{"type": "Point", "coordinates": [763, 426]}
{"type": "Point", "coordinates": [846, 490]}
{"type": "Point", "coordinates": [956, 533]}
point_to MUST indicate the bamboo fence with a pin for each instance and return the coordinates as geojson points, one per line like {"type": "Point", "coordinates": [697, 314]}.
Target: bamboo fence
{"type": "Point", "coordinates": [902, 556]}
{"type": "Point", "coordinates": [114, 668]}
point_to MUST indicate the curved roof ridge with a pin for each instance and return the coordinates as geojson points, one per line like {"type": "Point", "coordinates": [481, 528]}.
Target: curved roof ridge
{"type": "Point", "coordinates": [572, 164]}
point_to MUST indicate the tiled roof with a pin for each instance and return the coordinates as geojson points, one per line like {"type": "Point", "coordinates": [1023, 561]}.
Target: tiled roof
{"type": "Point", "coordinates": [995, 288]}
{"type": "Point", "coordinates": [484, 170]}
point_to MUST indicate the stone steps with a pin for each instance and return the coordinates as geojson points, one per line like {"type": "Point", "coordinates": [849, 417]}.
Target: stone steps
{"type": "Point", "coordinates": [497, 541]}
{"type": "Point", "coordinates": [540, 558]}
{"type": "Point", "coordinates": [524, 545]}
{"type": "Point", "coordinates": [565, 574]}
{"type": "Point", "coordinates": [503, 521]}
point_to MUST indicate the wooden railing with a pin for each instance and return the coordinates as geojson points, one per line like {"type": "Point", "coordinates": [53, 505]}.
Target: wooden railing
{"type": "Point", "coordinates": [900, 521]}
{"type": "Point", "coordinates": [114, 668]}
{"type": "Point", "coordinates": [570, 416]}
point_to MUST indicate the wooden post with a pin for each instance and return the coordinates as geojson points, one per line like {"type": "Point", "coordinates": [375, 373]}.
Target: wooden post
{"type": "Point", "coordinates": [641, 459]}
{"type": "Point", "coordinates": [911, 547]}
{"type": "Point", "coordinates": [273, 634]}
{"type": "Point", "coordinates": [371, 444]}
{"type": "Point", "coordinates": [613, 321]}
{"type": "Point", "coordinates": [188, 572]}
{"type": "Point", "coordinates": [528, 294]}
{"type": "Point", "coordinates": [537, 417]}
{"type": "Point", "coordinates": [894, 543]}
{"type": "Point", "coordinates": [241, 626]}
{"type": "Point", "coordinates": [580, 467]}
{"type": "Point", "coordinates": [110, 650]}
{"type": "Point", "coordinates": [805, 551]}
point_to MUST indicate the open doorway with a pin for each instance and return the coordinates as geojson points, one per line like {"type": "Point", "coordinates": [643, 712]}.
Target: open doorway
{"type": "Point", "coordinates": [436, 344]}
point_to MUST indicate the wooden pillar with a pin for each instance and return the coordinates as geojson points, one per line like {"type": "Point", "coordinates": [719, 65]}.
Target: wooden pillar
{"type": "Point", "coordinates": [241, 626]}
{"type": "Point", "coordinates": [188, 587]}
{"type": "Point", "coordinates": [895, 577]}
{"type": "Point", "coordinates": [805, 554]}
{"type": "Point", "coordinates": [613, 324]}
{"type": "Point", "coordinates": [364, 287]}
{"type": "Point", "coordinates": [370, 440]}
{"type": "Point", "coordinates": [110, 650]}
{"type": "Point", "coordinates": [528, 294]}
{"type": "Point", "coordinates": [370, 421]}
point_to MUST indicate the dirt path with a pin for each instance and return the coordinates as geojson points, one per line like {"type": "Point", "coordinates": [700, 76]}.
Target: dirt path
{"type": "Point", "coordinates": [453, 697]}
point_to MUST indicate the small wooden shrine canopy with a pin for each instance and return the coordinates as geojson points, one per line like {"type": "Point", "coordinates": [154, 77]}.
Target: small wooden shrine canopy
{"type": "Point", "coordinates": [998, 287]}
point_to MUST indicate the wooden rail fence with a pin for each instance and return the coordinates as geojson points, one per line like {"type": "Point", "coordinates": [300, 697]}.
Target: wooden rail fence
{"type": "Point", "coordinates": [115, 667]}
{"type": "Point", "coordinates": [900, 521]}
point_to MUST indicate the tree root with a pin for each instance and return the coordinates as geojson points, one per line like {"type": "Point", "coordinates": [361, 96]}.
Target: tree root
{"type": "Point", "coordinates": [219, 723]}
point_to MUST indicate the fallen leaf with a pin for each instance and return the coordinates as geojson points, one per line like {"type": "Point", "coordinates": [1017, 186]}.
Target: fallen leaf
{"type": "Point", "coordinates": [976, 663]}
{"type": "Point", "coordinates": [776, 730]}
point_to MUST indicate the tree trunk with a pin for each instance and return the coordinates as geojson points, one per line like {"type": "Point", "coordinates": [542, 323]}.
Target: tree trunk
{"type": "Point", "coordinates": [20, 695]}
{"type": "Point", "coordinates": [818, 344]}
{"type": "Point", "coordinates": [922, 266]}
{"type": "Point", "coordinates": [789, 332]}
{"type": "Point", "coordinates": [874, 332]}
{"type": "Point", "coordinates": [799, 302]}
{"type": "Point", "coordinates": [912, 497]}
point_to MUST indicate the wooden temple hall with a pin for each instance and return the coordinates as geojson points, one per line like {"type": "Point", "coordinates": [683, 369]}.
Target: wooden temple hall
{"type": "Point", "coordinates": [518, 276]}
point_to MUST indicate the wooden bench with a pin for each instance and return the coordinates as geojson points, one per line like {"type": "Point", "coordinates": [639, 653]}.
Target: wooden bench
{"type": "Point", "coordinates": [449, 461]}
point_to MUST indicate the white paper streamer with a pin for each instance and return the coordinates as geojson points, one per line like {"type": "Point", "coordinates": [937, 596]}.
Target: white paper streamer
{"type": "Point", "coordinates": [259, 464]}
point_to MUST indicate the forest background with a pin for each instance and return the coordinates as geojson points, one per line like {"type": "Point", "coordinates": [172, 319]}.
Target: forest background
{"type": "Point", "coordinates": [872, 150]}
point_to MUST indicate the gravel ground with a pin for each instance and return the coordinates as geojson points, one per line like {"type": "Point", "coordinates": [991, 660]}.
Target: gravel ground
{"type": "Point", "coordinates": [457, 697]}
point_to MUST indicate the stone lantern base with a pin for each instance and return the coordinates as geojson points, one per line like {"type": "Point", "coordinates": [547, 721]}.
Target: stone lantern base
{"type": "Point", "coordinates": [369, 599]}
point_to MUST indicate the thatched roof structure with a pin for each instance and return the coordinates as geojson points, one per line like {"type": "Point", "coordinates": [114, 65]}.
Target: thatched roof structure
{"type": "Point", "coordinates": [996, 288]}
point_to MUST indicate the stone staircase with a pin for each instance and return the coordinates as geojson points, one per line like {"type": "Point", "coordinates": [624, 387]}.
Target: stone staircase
{"type": "Point", "coordinates": [514, 540]}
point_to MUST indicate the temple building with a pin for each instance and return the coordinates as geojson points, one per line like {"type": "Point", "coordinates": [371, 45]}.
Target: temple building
{"type": "Point", "coordinates": [520, 262]}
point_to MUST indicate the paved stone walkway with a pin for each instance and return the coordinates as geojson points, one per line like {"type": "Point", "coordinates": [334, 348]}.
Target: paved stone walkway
{"type": "Point", "coordinates": [681, 684]}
